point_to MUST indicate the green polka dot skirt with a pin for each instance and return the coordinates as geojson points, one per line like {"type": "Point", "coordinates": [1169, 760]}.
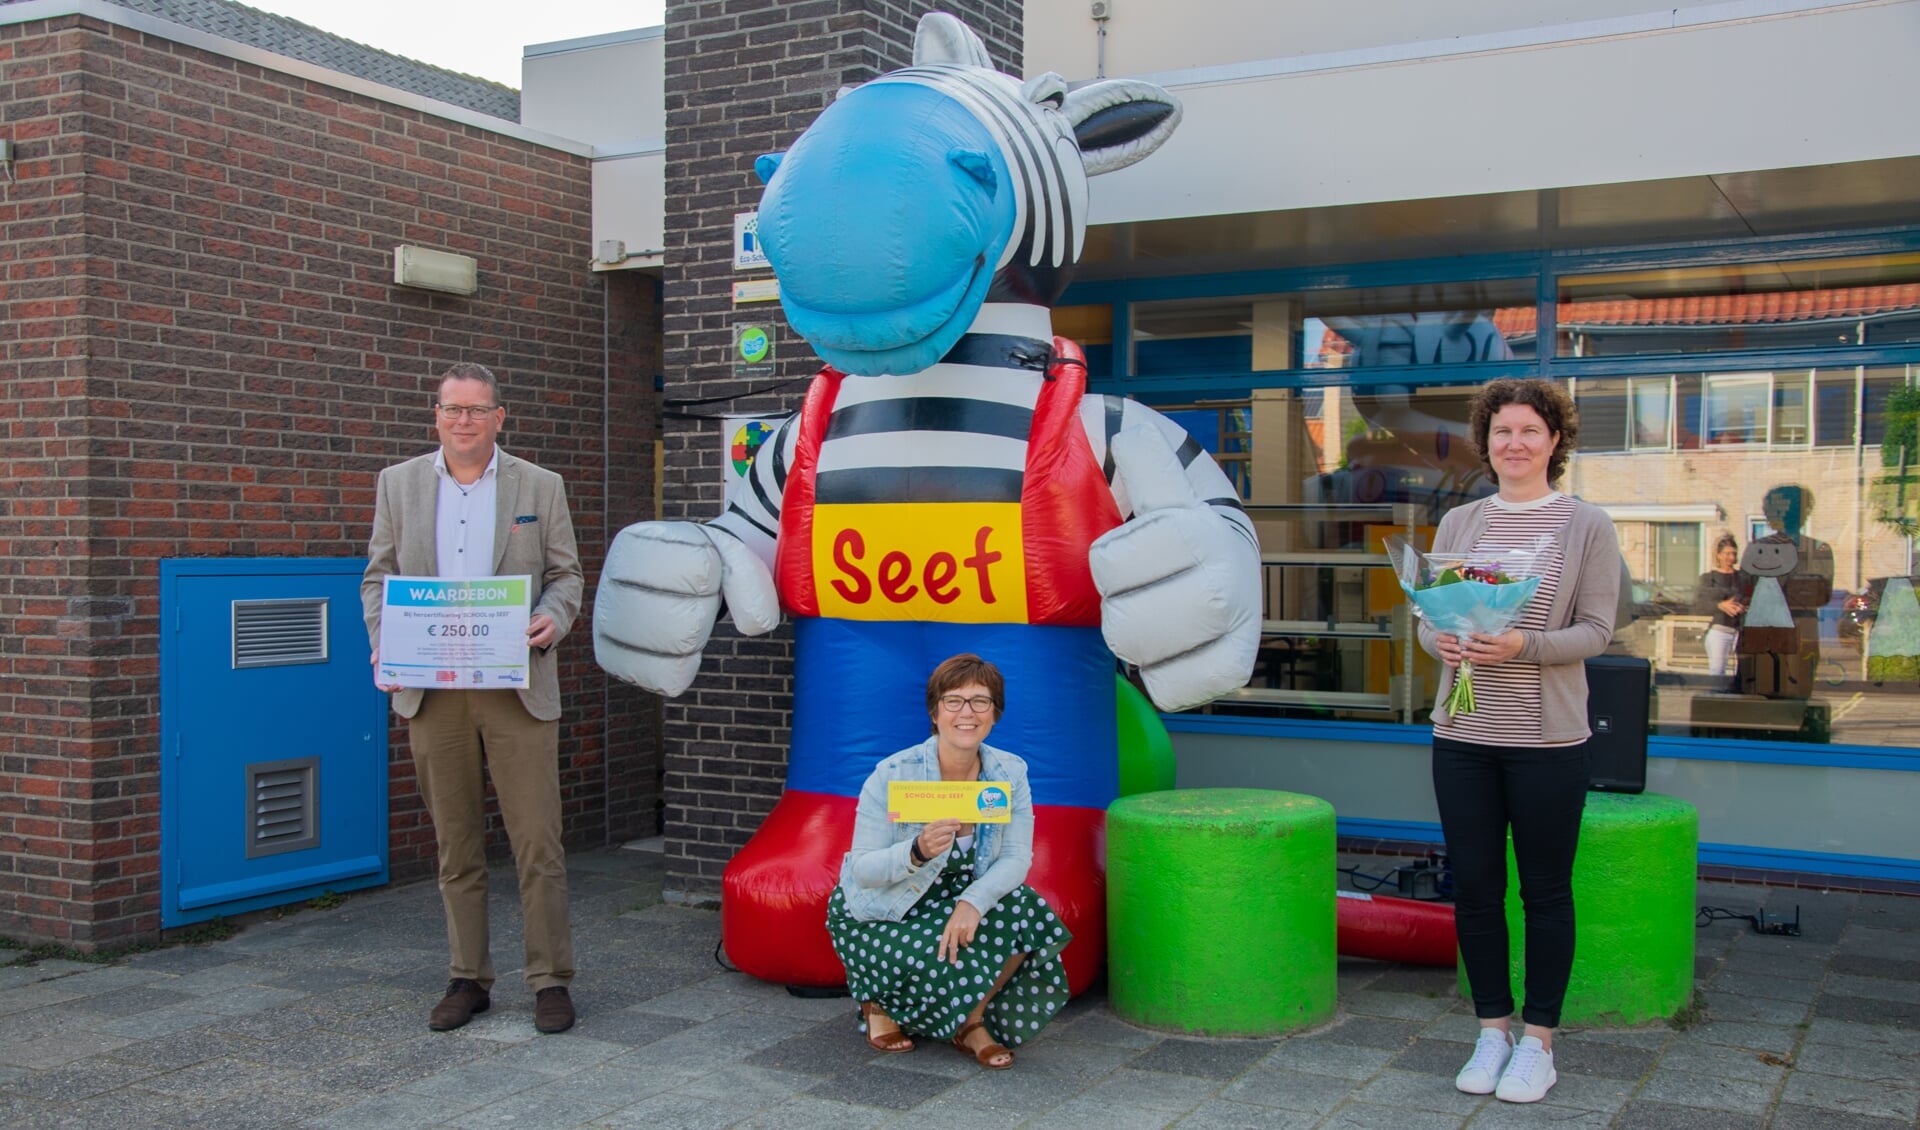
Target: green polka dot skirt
{"type": "Point", "coordinates": [893, 963]}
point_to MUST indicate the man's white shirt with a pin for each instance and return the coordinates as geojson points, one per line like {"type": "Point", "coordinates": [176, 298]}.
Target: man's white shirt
{"type": "Point", "coordinates": [463, 520]}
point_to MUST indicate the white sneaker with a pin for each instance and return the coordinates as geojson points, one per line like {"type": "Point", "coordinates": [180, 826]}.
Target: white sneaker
{"type": "Point", "coordinates": [1490, 1055]}
{"type": "Point", "coordinates": [1529, 1074]}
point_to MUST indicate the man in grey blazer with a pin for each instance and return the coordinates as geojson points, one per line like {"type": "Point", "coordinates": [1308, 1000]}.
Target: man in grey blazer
{"type": "Point", "coordinates": [471, 510]}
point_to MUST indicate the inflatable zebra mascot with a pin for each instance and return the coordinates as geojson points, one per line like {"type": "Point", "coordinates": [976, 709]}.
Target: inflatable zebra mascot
{"type": "Point", "coordinates": [947, 487]}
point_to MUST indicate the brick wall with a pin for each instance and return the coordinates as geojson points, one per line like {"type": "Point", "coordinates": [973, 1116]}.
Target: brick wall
{"type": "Point", "coordinates": [205, 355]}
{"type": "Point", "coordinates": [745, 78]}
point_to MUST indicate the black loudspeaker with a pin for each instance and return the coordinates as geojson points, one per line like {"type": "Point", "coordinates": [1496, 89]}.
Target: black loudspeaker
{"type": "Point", "coordinates": [1619, 689]}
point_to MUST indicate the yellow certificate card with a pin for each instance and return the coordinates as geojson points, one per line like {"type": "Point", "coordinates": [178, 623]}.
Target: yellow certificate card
{"type": "Point", "coordinates": [975, 802]}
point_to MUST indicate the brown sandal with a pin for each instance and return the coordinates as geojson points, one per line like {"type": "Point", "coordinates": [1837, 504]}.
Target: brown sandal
{"type": "Point", "coordinates": [986, 1055]}
{"type": "Point", "coordinates": [893, 1042]}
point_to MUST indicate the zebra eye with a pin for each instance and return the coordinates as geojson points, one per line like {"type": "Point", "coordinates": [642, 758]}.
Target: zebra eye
{"type": "Point", "coordinates": [1047, 89]}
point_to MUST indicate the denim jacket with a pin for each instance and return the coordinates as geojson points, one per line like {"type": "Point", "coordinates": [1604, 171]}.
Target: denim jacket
{"type": "Point", "coordinates": [878, 876]}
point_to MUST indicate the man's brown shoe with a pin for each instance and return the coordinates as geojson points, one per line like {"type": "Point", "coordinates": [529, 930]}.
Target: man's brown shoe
{"type": "Point", "coordinates": [463, 1001]}
{"type": "Point", "coordinates": [552, 1010]}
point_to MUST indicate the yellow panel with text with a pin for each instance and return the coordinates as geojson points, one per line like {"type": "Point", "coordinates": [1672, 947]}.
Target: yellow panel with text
{"type": "Point", "coordinates": [958, 562]}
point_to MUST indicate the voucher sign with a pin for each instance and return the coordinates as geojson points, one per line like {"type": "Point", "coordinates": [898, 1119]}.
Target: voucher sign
{"type": "Point", "coordinates": [465, 633]}
{"type": "Point", "coordinates": [974, 802]}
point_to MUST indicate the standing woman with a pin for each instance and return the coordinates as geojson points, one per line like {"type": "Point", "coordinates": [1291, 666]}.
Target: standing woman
{"type": "Point", "coordinates": [1519, 760]}
{"type": "Point", "coordinates": [938, 930]}
{"type": "Point", "coordinates": [1718, 595]}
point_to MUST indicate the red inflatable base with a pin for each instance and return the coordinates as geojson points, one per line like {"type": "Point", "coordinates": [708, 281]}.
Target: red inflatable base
{"type": "Point", "coordinates": [1390, 929]}
{"type": "Point", "coordinates": [773, 896]}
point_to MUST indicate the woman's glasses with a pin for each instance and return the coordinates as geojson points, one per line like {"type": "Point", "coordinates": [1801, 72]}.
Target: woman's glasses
{"type": "Point", "coordinates": [952, 703]}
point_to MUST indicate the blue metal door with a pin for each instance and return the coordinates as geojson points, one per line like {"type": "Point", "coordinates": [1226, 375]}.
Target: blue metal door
{"type": "Point", "coordinates": [273, 772]}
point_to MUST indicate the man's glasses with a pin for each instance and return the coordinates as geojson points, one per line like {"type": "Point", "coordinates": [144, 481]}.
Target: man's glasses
{"type": "Point", "coordinates": [466, 411]}
{"type": "Point", "coordinates": [952, 703]}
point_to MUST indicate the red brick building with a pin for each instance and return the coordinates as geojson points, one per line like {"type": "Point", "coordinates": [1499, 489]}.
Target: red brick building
{"type": "Point", "coordinates": [203, 353]}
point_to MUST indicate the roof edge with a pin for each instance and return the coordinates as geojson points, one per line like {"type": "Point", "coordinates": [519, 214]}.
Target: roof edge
{"type": "Point", "coordinates": [27, 11]}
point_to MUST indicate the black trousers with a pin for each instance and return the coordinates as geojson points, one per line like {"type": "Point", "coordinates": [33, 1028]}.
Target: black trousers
{"type": "Point", "coordinates": [1539, 793]}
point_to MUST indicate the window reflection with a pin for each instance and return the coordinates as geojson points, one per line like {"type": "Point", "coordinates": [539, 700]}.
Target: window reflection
{"type": "Point", "coordinates": [1442, 324]}
{"type": "Point", "coordinates": [1785, 640]}
{"type": "Point", "coordinates": [1809, 304]}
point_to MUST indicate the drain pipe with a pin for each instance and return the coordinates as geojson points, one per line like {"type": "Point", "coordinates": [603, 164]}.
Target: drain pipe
{"type": "Point", "coordinates": [1102, 11]}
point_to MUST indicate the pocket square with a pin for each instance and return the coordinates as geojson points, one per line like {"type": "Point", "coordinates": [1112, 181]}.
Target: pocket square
{"type": "Point", "coordinates": [525, 518]}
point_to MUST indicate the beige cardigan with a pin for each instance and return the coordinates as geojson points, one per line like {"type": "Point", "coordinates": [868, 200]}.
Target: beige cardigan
{"type": "Point", "coordinates": [1580, 622]}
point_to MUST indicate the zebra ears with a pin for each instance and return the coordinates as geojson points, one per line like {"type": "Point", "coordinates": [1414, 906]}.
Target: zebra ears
{"type": "Point", "coordinates": [1119, 121]}
{"type": "Point", "coordinates": [942, 38]}
{"type": "Point", "coordinates": [767, 164]}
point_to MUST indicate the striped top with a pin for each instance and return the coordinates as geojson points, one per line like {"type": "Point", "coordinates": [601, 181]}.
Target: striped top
{"type": "Point", "coordinates": [1507, 695]}
{"type": "Point", "coordinates": [956, 432]}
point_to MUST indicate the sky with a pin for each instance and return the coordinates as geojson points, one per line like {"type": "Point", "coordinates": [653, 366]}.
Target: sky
{"type": "Point", "coordinates": [475, 37]}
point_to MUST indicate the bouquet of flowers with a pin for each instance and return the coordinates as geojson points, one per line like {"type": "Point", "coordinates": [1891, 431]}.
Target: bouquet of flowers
{"type": "Point", "coordinates": [1460, 593]}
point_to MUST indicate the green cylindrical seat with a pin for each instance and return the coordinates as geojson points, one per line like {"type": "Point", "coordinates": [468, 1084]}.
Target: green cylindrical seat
{"type": "Point", "coordinates": [1634, 881]}
{"type": "Point", "coordinates": [1220, 911]}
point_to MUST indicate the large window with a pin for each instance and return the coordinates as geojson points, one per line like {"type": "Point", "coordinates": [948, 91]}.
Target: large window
{"type": "Point", "coordinates": [1352, 427]}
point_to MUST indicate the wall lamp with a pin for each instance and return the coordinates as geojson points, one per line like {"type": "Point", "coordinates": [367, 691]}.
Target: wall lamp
{"type": "Point", "coordinates": [435, 270]}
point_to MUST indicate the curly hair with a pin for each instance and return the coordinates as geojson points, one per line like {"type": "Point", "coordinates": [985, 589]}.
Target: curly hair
{"type": "Point", "coordinates": [1548, 398]}
{"type": "Point", "coordinates": [960, 670]}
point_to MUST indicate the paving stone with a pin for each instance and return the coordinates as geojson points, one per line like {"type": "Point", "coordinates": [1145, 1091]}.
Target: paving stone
{"type": "Point", "coordinates": [1319, 1057]}
{"type": "Point", "coordinates": [178, 1049]}
{"type": "Point", "coordinates": [78, 1080]}
{"type": "Point", "coordinates": [1748, 983]}
{"type": "Point", "coordinates": [1600, 1058]}
{"type": "Point", "coordinates": [1776, 1038]}
{"type": "Point", "coordinates": [1791, 1116]}
{"type": "Point", "coordinates": [1369, 1032]}
{"type": "Point", "coordinates": [1017, 1089]}
{"type": "Point", "coordinates": [1849, 985]}
{"type": "Point", "coordinates": [127, 1106]}
{"type": "Point", "coordinates": [655, 1112]}
{"type": "Point", "coordinates": [808, 1113]}
{"type": "Point", "coordinates": [1208, 1059]}
{"type": "Point", "coordinates": [1763, 1010]}
{"type": "Point", "coordinates": [1644, 1115]}
{"type": "Point", "coordinates": [1588, 1092]}
{"type": "Point", "coordinates": [1289, 1090]}
{"type": "Point", "coordinates": [157, 1022]}
{"type": "Point", "coordinates": [561, 1054]}
{"type": "Point", "coordinates": [1853, 1096]}
{"type": "Point", "coordinates": [1649, 1038]}
{"type": "Point", "coordinates": [1434, 1057]}
{"type": "Point", "coordinates": [694, 1004]}
{"type": "Point", "coordinates": [263, 1110]}
{"type": "Point", "coordinates": [1080, 1113]}
{"type": "Point", "coordinates": [1102, 1028]}
{"type": "Point", "coordinates": [1417, 981]}
{"type": "Point", "coordinates": [1219, 1114]}
{"type": "Point", "coordinates": [55, 1049]}
{"type": "Point", "coordinates": [755, 1087]}
{"type": "Point", "coordinates": [947, 1113]}
{"type": "Point", "coordinates": [1865, 941]}
{"type": "Point", "coordinates": [1407, 1090]}
{"type": "Point", "coordinates": [1685, 1088]}
{"type": "Point", "coordinates": [1775, 957]}
{"type": "Point", "coordinates": [271, 1023]}
{"type": "Point", "coordinates": [1072, 1061]}
{"type": "Point", "coordinates": [23, 1112]}
{"type": "Point", "coordinates": [1869, 1010]}
{"type": "Point", "coordinates": [96, 979]}
{"type": "Point", "coordinates": [1498, 1116]}
{"type": "Point", "coordinates": [876, 1085]}
{"type": "Point", "coordinates": [825, 1049]}
{"type": "Point", "coordinates": [476, 1083]}
{"type": "Point", "coordinates": [1704, 1058]}
{"type": "Point", "coordinates": [1400, 1006]}
{"type": "Point", "coordinates": [38, 994]}
{"type": "Point", "coordinates": [395, 1110]}
{"type": "Point", "coordinates": [1879, 968]}
{"type": "Point", "coordinates": [1367, 1116]}
{"type": "Point", "coordinates": [128, 1001]}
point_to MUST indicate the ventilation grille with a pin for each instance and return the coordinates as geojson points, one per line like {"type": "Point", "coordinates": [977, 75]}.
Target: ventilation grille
{"type": "Point", "coordinates": [279, 633]}
{"type": "Point", "coordinates": [283, 806]}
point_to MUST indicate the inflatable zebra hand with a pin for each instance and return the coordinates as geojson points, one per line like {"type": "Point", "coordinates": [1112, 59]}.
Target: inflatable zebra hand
{"type": "Point", "coordinates": [660, 593]}
{"type": "Point", "coordinates": [1179, 585]}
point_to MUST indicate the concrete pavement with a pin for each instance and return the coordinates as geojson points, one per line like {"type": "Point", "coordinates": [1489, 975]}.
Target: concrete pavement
{"type": "Point", "coordinates": [318, 1019]}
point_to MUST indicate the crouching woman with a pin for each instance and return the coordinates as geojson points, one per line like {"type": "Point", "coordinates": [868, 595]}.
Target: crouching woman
{"type": "Point", "coordinates": [938, 930]}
